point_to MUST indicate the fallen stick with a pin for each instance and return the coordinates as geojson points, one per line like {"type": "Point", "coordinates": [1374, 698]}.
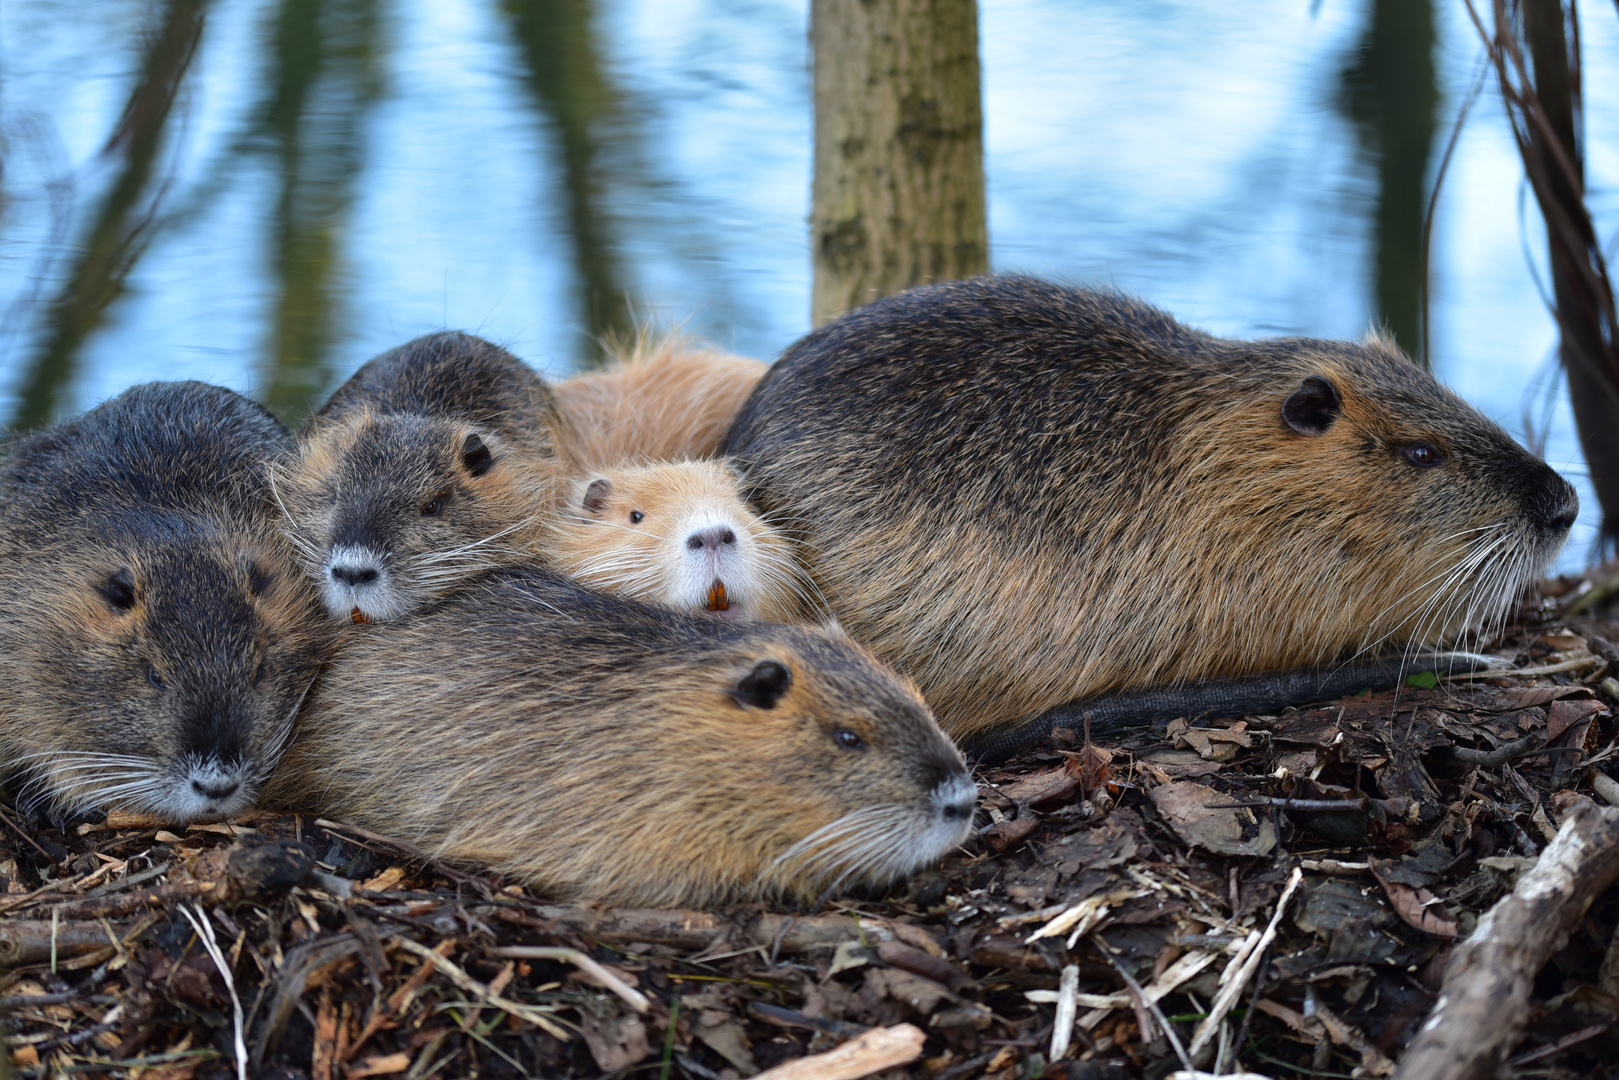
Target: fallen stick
{"type": "Point", "coordinates": [1484, 1001]}
{"type": "Point", "coordinates": [876, 1050]}
{"type": "Point", "coordinates": [788, 934]}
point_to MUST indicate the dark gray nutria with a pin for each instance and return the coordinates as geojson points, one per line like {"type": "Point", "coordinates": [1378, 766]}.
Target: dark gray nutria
{"type": "Point", "coordinates": [158, 637]}
{"type": "Point", "coordinates": [601, 749]}
{"type": "Point", "coordinates": [1021, 494]}
{"type": "Point", "coordinates": [434, 461]}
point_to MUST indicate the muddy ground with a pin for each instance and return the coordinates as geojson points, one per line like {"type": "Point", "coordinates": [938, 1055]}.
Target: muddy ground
{"type": "Point", "coordinates": [1145, 862]}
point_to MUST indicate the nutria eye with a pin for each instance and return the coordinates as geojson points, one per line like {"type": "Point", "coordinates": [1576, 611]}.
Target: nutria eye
{"type": "Point", "coordinates": [847, 739]}
{"type": "Point", "coordinates": [154, 678]}
{"type": "Point", "coordinates": [258, 673]}
{"type": "Point", "coordinates": [432, 509]}
{"type": "Point", "coordinates": [1423, 455]}
{"type": "Point", "coordinates": [119, 590]}
{"type": "Point", "coordinates": [637, 517]}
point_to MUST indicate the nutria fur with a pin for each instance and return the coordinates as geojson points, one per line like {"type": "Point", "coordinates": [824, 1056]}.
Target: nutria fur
{"type": "Point", "coordinates": [600, 749]}
{"type": "Point", "coordinates": [434, 461]}
{"type": "Point", "coordinates": [659, 400]}
{"type": "Point", "coordinates": [1020, 494]}
{"type": "Point", "coordinates": [677, 534]}
{"type": "Point", "coordinates": [158, 636]}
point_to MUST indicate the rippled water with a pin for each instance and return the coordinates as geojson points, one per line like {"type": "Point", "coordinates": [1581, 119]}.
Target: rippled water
{"type": "Point", "coordinates": [339, 176]}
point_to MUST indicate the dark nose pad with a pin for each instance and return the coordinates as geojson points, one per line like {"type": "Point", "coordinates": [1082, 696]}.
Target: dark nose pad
{"type": "Point", "coordinates": [355, 575]}
{"type": "Point", "coordinates": [961, 811]}
{"type": "Point", "coordinates": [713, 537]}
{"type": "Point", "coordinates": [222, 789]}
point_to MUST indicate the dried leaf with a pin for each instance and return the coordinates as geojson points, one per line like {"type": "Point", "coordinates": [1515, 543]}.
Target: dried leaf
{"type": "Point", "coordinates": [1416, 906]}
{"type": "Point", "coordinates": [618, 1042]}
{"type": "Point", "coordinates": [1224, 831]}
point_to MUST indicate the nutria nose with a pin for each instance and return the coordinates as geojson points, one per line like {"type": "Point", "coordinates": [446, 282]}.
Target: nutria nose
{"type": "Point", "coordinates": [958, 811]}
{"type": "Point", "coordinates": [1554, 507]}
{"type": "Point", "coordinates": [712, 537]}
{"type": "Point", "coordinates": [355, 575]}
{"type": "Point", "coordinates": [221, 789]}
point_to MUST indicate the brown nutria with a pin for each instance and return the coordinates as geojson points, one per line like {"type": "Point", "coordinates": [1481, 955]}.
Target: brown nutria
{"type": "Point", "coordinates": [158, 636]}
{"type": "Point", "coordinates": [434, 461]}
{"type": "Point", "coordinates": [602, 749]}
{"type": "Point", "coordinates": [660, 400]}
{"type": "Point", "coordinates": [1020, 494]}
{"type": "Point", "coordinates": [678, 534]}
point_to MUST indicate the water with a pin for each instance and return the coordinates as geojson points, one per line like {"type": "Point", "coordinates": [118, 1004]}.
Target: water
{"type": "Point", "coordinates": [336, 177]}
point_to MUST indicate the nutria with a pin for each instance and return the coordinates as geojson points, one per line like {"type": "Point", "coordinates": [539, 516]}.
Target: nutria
{"type": "Point", "coordinates": [602, 749]}
{"type": "Point", "coordinates": [435, 460]}
{"type": "Point", "coordinates": [1020, 494]}
{"type": "Point", "coordinates": [158, 636]}
{"type": "Point", "coordinates": [659, 400]}
{"type": "Point", "coordinates": [678, 534]}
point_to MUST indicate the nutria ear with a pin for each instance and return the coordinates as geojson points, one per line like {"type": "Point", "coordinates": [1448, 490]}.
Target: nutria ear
{"type": "Point", "coordinates": [764, 686]}
{"type": "Point", "coordinates": [596, 496]}
{"type": "Point", "coordinates": [475, 456]}
{"type": "Point", "coordinates": [1311, 409]}
{"type": "Point", "coordinates": [119, 589]}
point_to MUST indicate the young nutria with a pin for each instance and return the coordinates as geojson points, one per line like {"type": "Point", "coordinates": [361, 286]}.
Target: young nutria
{"type": "Point", "coordinates": [661, 400]}
{"type": "Point", "coordinates": [604, 750]}
{"type": "Point", "coordinates": [158, 637]}
{"type": "Point", "coordinates": [1020, 494]}
{"type": "Point", "coordinates": [677, 534]}
{"type": "Point", "coordinates": [434, 461]}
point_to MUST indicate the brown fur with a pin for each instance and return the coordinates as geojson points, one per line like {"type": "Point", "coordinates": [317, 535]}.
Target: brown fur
{"type": "Point", "coordinates": [603, 750]}
{"type": "Point", "coordinates": [660, 400]}
{"type": "Point", "coordinates": [666, 533]}
{"type": "Point", "coordinates": [1021, 494]}
{"type": "Point", "coordinates": [158, 638]}
{"type": "Point", "coordinates": [436, 460]}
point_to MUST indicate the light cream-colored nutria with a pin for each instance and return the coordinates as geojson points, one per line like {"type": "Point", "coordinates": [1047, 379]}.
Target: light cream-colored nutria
{"type": "Point", "coordinates": [678, 534]}
{"type": "Point", "coordinates": [158, 636]}
{"type": "Point", "coordinates": [435, 461]}
{"type": "Point", "coordinates": [1021, 494]}
{"type": "Point", "coordinates": [601, 749]}
{"type": "Point", "coordinates": [659, 400]}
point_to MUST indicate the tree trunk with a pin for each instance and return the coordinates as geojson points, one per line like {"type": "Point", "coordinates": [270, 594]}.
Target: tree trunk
{"type": "Point", "coordinates": [1585, 317]}
{"type": "Point", "coordinates": [899, 149]}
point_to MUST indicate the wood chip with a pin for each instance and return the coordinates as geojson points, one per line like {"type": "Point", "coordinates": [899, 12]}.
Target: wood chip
{"type": "Point", "coordinates": [876, 1050]}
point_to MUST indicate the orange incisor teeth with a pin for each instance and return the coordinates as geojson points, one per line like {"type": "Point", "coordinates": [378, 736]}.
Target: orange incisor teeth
{"type": "Point", "coordinates": [359, 616]}
{"type": "Point", "coordinates": [716, 597]}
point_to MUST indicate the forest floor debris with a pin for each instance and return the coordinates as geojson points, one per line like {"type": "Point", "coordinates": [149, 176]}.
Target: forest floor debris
{"type": "Point", "coordinates": [1275, 895]}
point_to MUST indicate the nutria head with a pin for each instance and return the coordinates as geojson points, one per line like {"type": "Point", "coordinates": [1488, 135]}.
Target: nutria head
{"type": "Point", "coordinates": [159, 638]}
{"type": "Point", "coordinates": [677, 534]}
{"type": "Point", "coordinates": [1426, 520]}
{"type": "Point", "coordinates": [1022, 494]}
{"type": "Point", "coordinates": [612, 751]}
{"type": "Point", "coordinates": [389, 511]}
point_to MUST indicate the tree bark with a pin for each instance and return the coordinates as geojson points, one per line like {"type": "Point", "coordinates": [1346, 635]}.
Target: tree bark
{"type": "Point", "coordinates": [899, 149]}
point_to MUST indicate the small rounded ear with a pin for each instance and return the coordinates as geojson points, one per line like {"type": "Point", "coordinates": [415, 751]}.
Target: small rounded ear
{"type": "Point", "coordinates": [475, 456]}
{"type": "Point", "coordinates": [764, 686]}
{"type": "Point", "coordinates": [596, 496]}
{"type": "Point", "coordinates": [1311, 409]}
{"type": "Point", "coordinates": [119, 589]}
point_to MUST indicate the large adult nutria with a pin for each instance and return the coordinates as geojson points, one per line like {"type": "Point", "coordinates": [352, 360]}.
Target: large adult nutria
{"type": "Point", "coordinates": [601, 749]}
{"type": "Point", "coordinates": [678, 534]}
{"type": "Point", "coordinates": [157, 636]}
{"type": "Point", "coordinates": [1021, 494]}
{"type": "Point", "coordinates": [660, 399]}
{"type": "Point", "coordinates": [434, 461]}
